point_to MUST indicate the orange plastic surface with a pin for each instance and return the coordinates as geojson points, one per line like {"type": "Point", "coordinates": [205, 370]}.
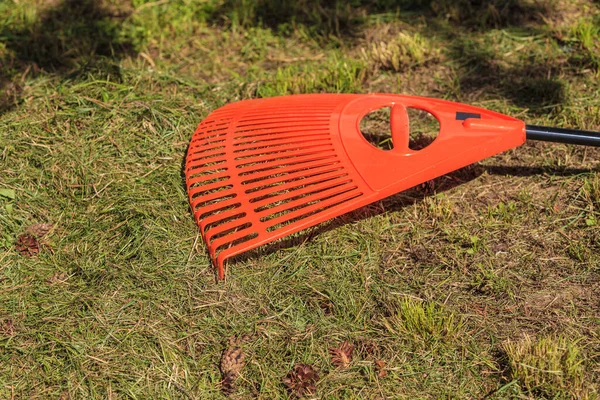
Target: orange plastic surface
{"type": "Point", "coordinates": [259, 170]}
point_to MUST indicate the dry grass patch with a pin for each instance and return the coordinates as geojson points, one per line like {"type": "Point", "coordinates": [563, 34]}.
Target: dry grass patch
{"type": "Point", "coordinates": [403, 52]}
{"type": "Point", "coordinates": [549, 366]}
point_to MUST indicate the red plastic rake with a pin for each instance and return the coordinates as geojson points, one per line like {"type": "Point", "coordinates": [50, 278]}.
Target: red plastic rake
{"type": "Point", "coordinates": [259, 170]}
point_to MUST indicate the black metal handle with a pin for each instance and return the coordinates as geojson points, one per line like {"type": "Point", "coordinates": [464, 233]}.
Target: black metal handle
{"type": "Point", "coordinates": [560, 135]}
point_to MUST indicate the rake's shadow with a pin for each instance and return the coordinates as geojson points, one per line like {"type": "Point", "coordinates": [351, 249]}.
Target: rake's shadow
{"type": "Point", "coordinates": [391, 204]}
{"type": "Point", "coordinates": [401, 200]}
{"type": "Point", "coordinates": [531, 171]}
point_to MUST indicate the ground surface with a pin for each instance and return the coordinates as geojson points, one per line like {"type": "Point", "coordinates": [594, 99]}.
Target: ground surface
{"type": "Point", "coordinates": [482, 284]}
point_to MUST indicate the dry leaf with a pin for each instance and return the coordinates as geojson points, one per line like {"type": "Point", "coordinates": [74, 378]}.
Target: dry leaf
{"type": "Point", "coordinates": [342, 355]}
{"type": "Point", "coordinates": [380, 366]}
{"type": "Point", "coordinates": [301, 380]}
{"type": "Point", "coordinates": [40, 230]}
{"type": "Point", "coordinates": [27, 245]}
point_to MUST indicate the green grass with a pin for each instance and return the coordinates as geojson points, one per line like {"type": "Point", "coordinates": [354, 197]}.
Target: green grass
{"type": "Point", "coordinates": [98, 102]}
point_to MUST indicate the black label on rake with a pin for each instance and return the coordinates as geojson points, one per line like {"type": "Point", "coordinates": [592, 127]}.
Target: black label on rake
{"type": "Point", "coordinates": [461, 116]}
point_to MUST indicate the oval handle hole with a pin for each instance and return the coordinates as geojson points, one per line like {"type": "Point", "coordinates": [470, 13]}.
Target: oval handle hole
{"type": "Point", "coordinates": [376, 128]}
{"type": "Point", "coordinates": [424, 128]}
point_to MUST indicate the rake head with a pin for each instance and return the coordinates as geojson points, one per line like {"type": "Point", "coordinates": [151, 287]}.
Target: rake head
{"type": "Point", "coordinates": [259, 170]}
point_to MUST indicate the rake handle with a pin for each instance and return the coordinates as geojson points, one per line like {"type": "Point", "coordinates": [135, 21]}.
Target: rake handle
{"type": "Point", "coordinates": [561, 135]}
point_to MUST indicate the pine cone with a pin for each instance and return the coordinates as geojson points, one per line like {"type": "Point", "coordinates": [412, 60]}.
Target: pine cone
{"type": "Point", "coordinates": [40, 230]}
{"type": "Point", "coordinates": [232, 363]}
{"type": "Point", "coordinates": [228, 384]}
